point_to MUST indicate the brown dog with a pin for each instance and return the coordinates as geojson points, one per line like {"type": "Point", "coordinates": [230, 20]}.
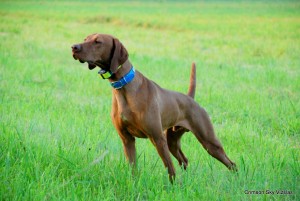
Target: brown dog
{"type": "Point", "coordinates": [141, 108]}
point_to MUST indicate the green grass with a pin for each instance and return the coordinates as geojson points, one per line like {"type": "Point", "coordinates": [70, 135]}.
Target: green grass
{"type": "Point", "coordinates": [57, 141]}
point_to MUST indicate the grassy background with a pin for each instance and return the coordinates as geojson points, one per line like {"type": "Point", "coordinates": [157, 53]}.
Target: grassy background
{"type": "Point", "coordinates": [57, 141]}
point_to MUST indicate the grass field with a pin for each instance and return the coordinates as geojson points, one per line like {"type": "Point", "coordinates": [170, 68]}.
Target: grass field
{"type": "Point", "coordinates": [57, 141]}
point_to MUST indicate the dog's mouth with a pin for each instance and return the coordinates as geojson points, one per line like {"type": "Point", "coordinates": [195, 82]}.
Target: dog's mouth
{"type": "Point", "coordinates": [91, 64]}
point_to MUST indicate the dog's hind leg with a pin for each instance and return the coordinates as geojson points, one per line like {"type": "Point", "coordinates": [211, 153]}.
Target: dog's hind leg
{"type": "Point", "coordinates": [204, 132]}
{"type": "Point", "coordinates": [173, 137]}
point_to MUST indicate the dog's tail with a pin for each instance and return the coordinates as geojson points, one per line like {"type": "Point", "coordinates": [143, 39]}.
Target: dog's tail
{"type": "Point", "coordinates": [179, 130]}
{"type": "Point", "coordinates": [191, 93]}
{"type": "Point", "coordinates": [192, 87]}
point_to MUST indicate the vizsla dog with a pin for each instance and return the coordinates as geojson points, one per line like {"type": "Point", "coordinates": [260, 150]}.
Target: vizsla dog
{"type": "Point", "coordinates": [141, 108]}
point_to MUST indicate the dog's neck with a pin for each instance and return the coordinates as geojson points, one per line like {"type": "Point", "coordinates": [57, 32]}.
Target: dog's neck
{"type": "Point", "coordinates": [121, 72]}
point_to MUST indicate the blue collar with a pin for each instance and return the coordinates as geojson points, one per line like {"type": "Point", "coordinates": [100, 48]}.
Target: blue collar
{"type": "Point", "coordinates": [124, 80]}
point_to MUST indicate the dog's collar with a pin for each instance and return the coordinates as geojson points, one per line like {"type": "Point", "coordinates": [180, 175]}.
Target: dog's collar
{"type": "Point", "coordinates": [106, 74]}
{"type": "Point", "coordinates": [124, 80]}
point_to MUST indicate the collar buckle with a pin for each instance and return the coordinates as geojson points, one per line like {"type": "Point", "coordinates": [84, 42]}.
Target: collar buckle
{"type": "Point", "coordinates": [105, 74]}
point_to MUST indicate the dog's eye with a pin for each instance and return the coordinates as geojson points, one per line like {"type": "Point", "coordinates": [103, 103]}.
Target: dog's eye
{"type": "Point", "coordinates": [98, 42]}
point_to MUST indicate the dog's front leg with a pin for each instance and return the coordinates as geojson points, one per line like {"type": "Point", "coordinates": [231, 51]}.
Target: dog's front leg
{"type": "Point", "coordinates": [127, 139]}
{"type": "Point", "coordinates": [128, 145]}
{"type": "Point", "coordinates": [129, 149]}
{"type": "Point", "coordinates": [162, 148]}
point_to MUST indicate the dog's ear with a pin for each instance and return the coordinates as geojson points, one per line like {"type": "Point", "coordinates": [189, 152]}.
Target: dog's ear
{"type": "Point", "coordinates": [120, 55]}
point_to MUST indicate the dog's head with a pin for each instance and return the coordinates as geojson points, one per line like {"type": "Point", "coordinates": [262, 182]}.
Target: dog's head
{"type": "Point", "coordinates": [101, 50]}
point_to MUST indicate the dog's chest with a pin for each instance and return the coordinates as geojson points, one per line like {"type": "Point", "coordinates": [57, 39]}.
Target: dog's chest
{"type": "Point", "coordinates": [128, 122]}
{"type": "Point", "coordinates": [123, 118]}
{"type": "Point", "coordinates": [128, 115]}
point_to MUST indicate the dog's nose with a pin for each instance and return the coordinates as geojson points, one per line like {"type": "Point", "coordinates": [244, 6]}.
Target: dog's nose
{"type": "Point", "coordinates": [76, 48]}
